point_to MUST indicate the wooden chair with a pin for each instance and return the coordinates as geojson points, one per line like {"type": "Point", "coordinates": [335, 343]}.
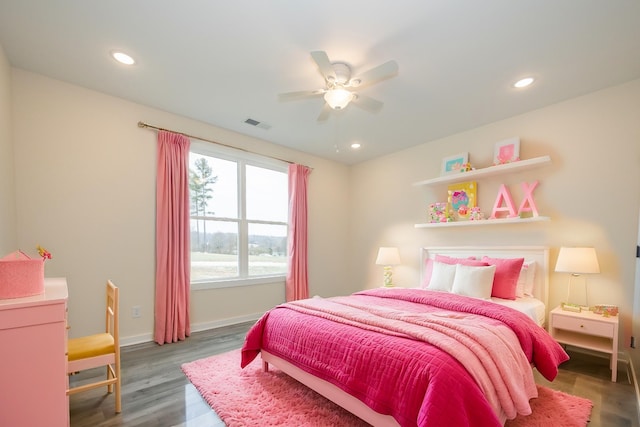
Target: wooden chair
{"type": "Point", "coordinates": [99, 350]}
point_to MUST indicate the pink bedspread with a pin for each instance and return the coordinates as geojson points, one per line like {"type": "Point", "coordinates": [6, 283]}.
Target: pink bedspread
{"type": "Point", "coordinates": [385, 357]}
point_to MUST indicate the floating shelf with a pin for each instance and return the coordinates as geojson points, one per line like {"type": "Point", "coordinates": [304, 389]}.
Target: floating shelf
{"type": "Point", "coordinates": [520, 165]}
{"type": "Point", "coordinates": [497, 221]}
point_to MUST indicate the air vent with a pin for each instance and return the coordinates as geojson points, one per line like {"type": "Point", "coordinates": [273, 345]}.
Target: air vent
{"type": "Point", "coordinates": [257, 124]}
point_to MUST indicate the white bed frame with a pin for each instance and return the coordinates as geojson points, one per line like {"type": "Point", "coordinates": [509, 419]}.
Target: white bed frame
{"type": "Point", "coordinates": [355, 406]}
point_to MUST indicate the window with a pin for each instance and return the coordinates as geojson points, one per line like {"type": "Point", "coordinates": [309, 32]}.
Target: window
{"type": "Point", "coordinates": [239, 214]}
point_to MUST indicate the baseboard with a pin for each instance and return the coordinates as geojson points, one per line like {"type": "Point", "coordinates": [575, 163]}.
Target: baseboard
{"type": "Point", "coordinates": [197, 327]}
{"type": "Point", "coordinates": [225, 322]}
{"type": "Point", "coordinates": [635, 384]}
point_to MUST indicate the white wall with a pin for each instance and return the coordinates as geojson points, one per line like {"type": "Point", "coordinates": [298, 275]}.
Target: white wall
{"type": "Point", "coordinates": [85, 190]}
{"type": "Point", "coordinates": [591, 192]}
{"type": "Point", "coordinates": [84, 185]}
{"type": "Point", "coordinates": [7, 195]}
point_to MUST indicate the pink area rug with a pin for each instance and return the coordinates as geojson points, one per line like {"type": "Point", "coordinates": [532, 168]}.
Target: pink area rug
{"type": "Point", "coordinates": [251, 397]}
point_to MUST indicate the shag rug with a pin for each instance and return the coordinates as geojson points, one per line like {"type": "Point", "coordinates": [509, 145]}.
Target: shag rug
{"type": "Point", "coordinates": [251, 397]}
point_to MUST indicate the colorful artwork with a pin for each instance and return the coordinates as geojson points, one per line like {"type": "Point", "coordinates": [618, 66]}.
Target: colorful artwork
{"type": "Point", "coordinates": [506, 151]}
{"type": "Point", "coordinates": [455, 164]}
{"type": "Point", "coordinates": [462, 198]}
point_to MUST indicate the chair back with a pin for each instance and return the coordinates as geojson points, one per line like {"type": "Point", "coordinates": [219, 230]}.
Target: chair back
{"type": "Point", "coordinates": [112, 314]}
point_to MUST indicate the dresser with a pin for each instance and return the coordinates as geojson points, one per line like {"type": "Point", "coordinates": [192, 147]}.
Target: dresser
{"type": "Point", "coordinates": [33, 374]}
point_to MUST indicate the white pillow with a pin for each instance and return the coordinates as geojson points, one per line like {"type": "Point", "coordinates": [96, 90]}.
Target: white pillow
{"type": "Point", "coordinates": [442, 277]}
{"type": "Point", "coordinates": [526, 279]}
{"type": "Point", "coordinates": [473, 281]}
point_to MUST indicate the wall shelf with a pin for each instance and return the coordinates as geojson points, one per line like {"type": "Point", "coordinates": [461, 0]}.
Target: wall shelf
{"type": "Point", "coordinates": [520, 165]}
{"type": "Point", "coordinates": [497, 221]}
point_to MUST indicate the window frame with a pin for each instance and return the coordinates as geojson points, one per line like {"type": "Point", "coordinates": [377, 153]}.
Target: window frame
{"type": "Point", "coordinates": [243, 159]}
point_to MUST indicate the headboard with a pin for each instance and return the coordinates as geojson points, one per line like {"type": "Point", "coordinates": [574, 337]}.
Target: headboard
{"type": "Point", "coordinates": [539, 254]}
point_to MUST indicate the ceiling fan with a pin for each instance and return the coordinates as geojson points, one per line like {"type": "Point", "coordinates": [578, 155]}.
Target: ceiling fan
{"type": "Point", "coordinates": [341, 88]}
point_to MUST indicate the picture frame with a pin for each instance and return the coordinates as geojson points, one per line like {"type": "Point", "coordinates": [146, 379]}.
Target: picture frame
{"type": "Point", "coordinates": [506, 151]}
{"type": "Point", "coordinates": [462, 198]}
{"type": "Point", "coordinates": [454, 164]}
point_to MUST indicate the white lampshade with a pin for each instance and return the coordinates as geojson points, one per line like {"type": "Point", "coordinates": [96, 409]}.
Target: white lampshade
{"type": "Point", "coordinates": [577, 261]}
{"type": "Point", "coordinates": [388, 256]}
{"type": "Point", "coordinates": [338, 98]}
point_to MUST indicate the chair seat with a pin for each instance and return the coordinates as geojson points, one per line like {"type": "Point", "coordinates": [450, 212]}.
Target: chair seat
{"type": "Point", "coordinates": [90, 346]}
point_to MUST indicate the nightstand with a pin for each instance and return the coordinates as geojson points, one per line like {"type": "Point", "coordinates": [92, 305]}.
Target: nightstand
{"type": "Point", "coordinates": [586, 330]}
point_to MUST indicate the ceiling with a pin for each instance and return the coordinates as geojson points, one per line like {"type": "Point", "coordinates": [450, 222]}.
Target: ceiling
{"type": "Point", "coordinates": [222, 62]}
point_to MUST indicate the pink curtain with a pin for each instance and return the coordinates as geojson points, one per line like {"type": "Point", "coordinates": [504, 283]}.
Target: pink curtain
{"type": "Point", "coordinates": [297, 285]}
{"type": "Point", "coordinates": [172, 239]}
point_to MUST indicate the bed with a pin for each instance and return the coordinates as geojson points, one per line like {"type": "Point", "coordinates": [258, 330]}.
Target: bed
{"type": "Point", "coordinates": [414, 356]}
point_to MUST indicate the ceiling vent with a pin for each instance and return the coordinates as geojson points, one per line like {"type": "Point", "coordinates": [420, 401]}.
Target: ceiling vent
{"type": "Point", "coordinates": [257, 124]}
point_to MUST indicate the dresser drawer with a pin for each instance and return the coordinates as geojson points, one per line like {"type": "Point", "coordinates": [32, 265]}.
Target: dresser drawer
{"type": "Point", "coordinates": [585, 326]}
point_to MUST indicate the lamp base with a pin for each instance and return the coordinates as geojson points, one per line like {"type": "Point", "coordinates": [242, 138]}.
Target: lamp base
{"type": "Point", "coordinates": [388, 278]}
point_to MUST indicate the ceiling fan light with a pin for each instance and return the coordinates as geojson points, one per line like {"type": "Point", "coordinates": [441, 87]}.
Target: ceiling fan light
{"type": "Point", "coordinates": [338, 98]}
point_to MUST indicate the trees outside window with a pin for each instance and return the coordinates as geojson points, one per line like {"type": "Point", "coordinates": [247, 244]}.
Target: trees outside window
{"type": "Point", "coordinates": [239, 213]}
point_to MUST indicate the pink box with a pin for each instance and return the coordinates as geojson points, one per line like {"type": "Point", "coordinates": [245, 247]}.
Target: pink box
{"type": "Point", "coordinates": [21, 276]}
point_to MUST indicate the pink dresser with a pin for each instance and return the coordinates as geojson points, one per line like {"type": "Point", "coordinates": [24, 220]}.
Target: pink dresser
{"type": "Point", "coordinates": [33, 337]}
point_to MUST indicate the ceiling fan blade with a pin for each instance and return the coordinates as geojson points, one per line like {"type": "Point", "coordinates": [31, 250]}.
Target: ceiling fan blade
{"type": "Point", "coordinates": [367, 103]}
{"type": "Point", "coordinates": [293, 96]}
{"type": "Point", "coordinates": [374, 75]}
{"type": "Point", "coordinates": [324, 114]}
{"type": "Point", "coordinates": [321, 58]}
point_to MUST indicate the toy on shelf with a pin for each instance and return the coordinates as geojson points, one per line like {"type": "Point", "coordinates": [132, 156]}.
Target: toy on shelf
{"type": "Point", "coordinates": [475, 214]}
{"type": "Point", "coordinates": [438, 212]}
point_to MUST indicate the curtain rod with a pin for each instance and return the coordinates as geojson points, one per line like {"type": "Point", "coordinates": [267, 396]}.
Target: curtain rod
{"type": "Point", "coordinates": [142, 124]}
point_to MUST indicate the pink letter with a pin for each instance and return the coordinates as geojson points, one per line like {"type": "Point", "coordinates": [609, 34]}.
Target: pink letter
{"type": "Point", "coordinates": [503, 194]}
{"type": "Point", "coordinates": [528, 197]}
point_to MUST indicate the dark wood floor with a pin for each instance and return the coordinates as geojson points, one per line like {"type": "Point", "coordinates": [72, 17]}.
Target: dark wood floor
{"type": "Point", "coordinates": [156, 393]}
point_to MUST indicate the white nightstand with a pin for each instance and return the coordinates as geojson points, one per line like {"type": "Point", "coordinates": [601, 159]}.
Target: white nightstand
{"type": "Point", "coordinates": [586, 330]}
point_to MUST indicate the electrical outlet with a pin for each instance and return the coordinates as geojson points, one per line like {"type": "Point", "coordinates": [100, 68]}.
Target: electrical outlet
{"type": "Point", "coordinates": [135, 311]}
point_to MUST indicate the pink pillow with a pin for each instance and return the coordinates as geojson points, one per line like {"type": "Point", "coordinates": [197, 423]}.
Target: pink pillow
{"type": "Point", "coordinates": [505, 280]}
{"type": "Point", "coordinates": [428, 267]}
{"type": "Point", "coordinates": [452, 260]}
{"type": "Point", "coordinates": [428, 270]}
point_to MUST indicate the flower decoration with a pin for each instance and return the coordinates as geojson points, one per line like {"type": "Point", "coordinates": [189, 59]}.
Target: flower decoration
{"type": "Point", "coordinates": [45, 254]}
{"type": "Point", "coordinates": [438, 212]}
{"type": "Point", "coordinates": [476, 214]}
{"type": "Point", "coordinates": [503, 160]}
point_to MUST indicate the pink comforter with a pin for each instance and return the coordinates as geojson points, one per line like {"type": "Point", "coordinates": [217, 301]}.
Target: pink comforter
{"type": "Point", "coordinates": [400, 357]}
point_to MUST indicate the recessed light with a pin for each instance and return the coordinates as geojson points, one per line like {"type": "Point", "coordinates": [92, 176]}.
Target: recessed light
{"type": "Point", "coordinates": [122, 58]}
{"type": "Point", "coordinates": [523, 82]}
{"type": "Point", "coordinates": [355, 145]}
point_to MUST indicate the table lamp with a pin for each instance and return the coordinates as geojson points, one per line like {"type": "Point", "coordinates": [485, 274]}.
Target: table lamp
{"type": "Point", "coordinates": [388, 257]}
{"type": "Point", "coordinates": [577, 261]}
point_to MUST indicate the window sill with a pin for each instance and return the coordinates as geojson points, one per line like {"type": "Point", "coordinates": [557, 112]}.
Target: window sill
{"type": "Point", "coordinates": [234, 283]}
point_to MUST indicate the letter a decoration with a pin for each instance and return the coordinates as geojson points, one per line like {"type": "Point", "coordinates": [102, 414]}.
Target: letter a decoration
{"type": "Point", "coordinates": [503, 195]}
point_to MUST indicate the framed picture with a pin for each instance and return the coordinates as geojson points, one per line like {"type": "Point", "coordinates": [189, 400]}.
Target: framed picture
{"type": "Point", "coordinates": [454, 164]}
{"type": "Point", "coordinates": [462, 198]}
{"type": "Point", "coordinates": [506, 151]}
